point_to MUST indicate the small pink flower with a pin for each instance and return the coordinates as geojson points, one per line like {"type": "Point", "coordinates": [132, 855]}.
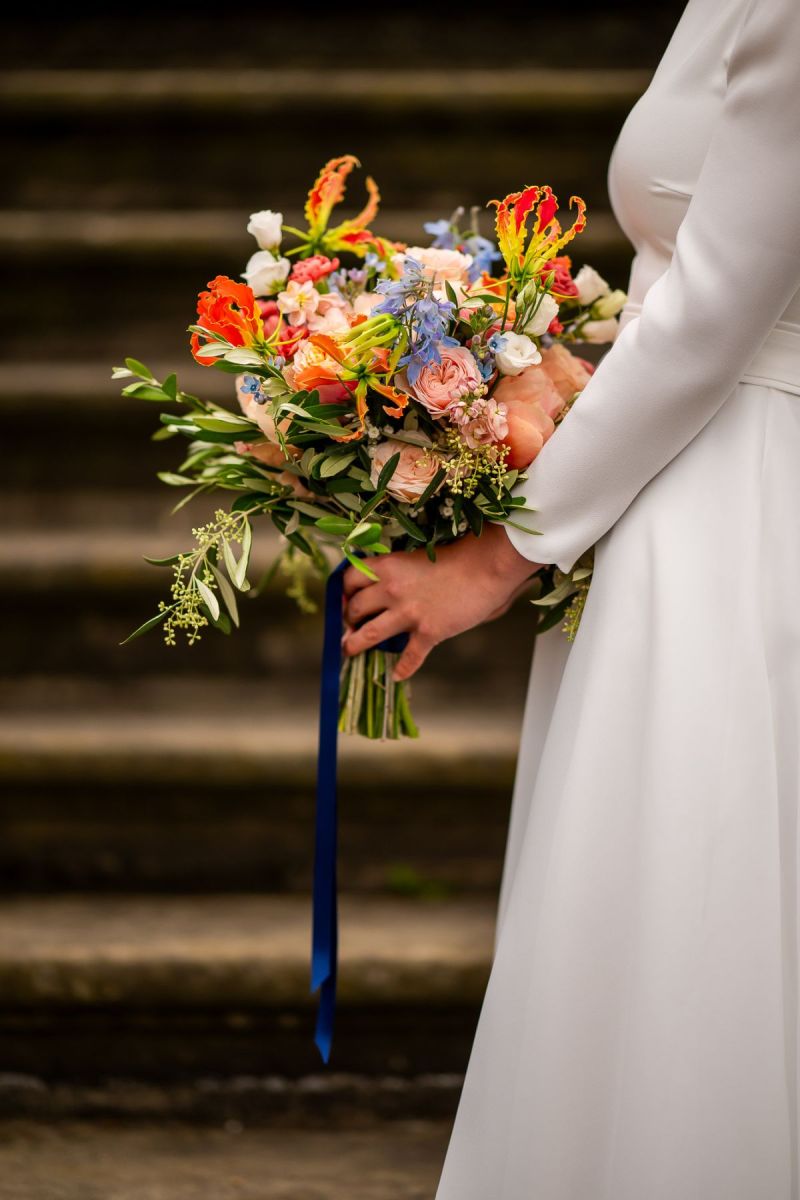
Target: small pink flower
{"type": "Point", "coordinates": [330, 315]}
{"type": "Point", "coordinates": [298, 302]}
{"type": "Point", "coordinates": [441, 385]}
{"type": "Point", "coordinates": [482, 422]}
{"type": "Point", "coordinates": [414, 471]}
{"type": "Point", "coordinates": [314, 268]}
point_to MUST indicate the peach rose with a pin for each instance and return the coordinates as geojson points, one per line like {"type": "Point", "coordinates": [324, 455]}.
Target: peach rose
{"type": "Point", "coordinates": [533, 386]}
{"type": "Point", "coordinates": [414, 471]}
{"type": "Point", "coordinates": [529, 427]}
{"type": "Point", "coordinates": [330, 315]}
{"type": "Point", "coordinates": [565, 370]}
{"type": "Point", "coordinates": [441, 385]}
{"type": "Point", "coordinates": [438, 262]}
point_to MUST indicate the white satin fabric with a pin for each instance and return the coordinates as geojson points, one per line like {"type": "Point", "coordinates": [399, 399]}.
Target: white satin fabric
{"type": "Point", "coordinates": [639, 1035]}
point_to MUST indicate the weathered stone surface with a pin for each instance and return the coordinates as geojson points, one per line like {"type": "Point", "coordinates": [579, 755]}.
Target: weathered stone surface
{"type": "Point", "coordinates": [227, 951]}
{"type": "Point", "coordinates": [109, 1161]}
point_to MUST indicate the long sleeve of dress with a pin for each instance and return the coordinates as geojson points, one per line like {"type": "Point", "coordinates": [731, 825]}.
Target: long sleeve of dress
{"type": "Point", "coordinates": [734, 269]}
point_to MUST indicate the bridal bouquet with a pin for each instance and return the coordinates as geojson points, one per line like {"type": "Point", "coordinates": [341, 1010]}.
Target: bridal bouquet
{"type": "Point", "coordinates": [390, 397]}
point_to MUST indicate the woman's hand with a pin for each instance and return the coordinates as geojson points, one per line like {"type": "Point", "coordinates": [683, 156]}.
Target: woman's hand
{"type": "Point", "coordinates": [473, 580]}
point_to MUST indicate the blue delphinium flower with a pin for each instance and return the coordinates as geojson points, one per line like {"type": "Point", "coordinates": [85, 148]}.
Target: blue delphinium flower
{"type": "Point", "coordinates": [443, 234]}
{"type": "Point", "coordinates": [371, 260]}
{"type": "Point", "coordinates": [397, 292]}
{"type": "Point", "coordinates": [484, 255]}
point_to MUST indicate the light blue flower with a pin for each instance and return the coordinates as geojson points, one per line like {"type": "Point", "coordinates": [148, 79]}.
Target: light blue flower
{"type": "Point", "coordinates": [443, 234]}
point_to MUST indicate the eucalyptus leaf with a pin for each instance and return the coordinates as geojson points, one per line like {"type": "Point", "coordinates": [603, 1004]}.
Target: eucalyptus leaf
{"type": "Point", "coordinates": [174, 480]}
{"type": "Point", "coordinates": [359, 564]}
{"type": "Point", "coordinates": [339, 526]}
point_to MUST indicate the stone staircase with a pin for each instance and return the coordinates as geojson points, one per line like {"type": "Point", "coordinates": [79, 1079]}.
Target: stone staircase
{"type": "Point", "coordinates": [156, 809]}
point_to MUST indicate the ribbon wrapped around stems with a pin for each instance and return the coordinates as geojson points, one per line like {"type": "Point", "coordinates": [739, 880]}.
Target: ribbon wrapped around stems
{"type": "Point", "coordinates": [325, 921]}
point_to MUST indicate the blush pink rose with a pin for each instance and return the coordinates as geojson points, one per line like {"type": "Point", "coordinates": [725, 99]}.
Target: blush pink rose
{"type": "Point", "coordinates": [441, 385]}
{"type": "Point", "coordinates": [568, 373]}
{"type": "Point", "coordinates": [330, 315]}
{"type": "Point", "coordinates": [414, 471]}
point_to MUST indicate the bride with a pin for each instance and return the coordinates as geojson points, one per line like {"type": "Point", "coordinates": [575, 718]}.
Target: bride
{"type": "Point", "coordinates": [639, 1035]}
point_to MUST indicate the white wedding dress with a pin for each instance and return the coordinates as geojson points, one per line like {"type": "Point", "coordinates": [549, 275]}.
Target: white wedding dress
{"type": "Point", "coordinates": [639, 1035]}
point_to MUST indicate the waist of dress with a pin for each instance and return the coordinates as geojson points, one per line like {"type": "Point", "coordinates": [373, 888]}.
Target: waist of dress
{"type": "Point", "coordinates": [776, 364]}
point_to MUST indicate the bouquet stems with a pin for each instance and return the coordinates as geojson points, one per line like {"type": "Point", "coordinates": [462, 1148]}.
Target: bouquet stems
{"type": "Point", "coordinates": [371, 702]}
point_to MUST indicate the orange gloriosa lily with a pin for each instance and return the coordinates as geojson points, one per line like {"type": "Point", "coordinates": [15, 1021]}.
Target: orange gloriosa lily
{"type": "Point", "coordinates": [229, 309]}
{"type": "Point", "coordinates": [546, 237]}
{"type": "Point", "coordinates": [358, 372]}
{"type": "Point", "coordinates": [353, 234]}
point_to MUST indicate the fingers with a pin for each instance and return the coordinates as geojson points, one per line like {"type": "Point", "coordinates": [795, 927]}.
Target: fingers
{"type": "Point", "coordinates": [413, 656]}
{"type": "Point", "coordinates": [356, 641]}
{"type": "Point", "coordinates": [353, 579]}
{"type": "Point", "coordinates": [365, 603]}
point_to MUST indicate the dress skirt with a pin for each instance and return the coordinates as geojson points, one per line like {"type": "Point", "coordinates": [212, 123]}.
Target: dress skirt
{"type": "Point", "coordinates": [638, 1038]}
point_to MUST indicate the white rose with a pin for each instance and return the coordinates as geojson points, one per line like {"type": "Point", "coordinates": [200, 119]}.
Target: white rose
{"type": "Point", "coordinates": [600, 331]}
{"type": "Point", "coordinates": [540, 321]}
{"type": "Point", "coordinates": [591, 285]}
{"type": "Point", "coordinates": [610, 305]}
{"type": "Point", "coordinates": [518, 353]}
{"type": "Point", "coordinates": [264, 271]}
{"type": "Point", "coordinates": [266, 228]}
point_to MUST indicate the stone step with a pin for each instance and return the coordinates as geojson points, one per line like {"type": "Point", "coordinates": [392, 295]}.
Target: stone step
{"type": "Point", "coordinates": [163, 988]}
{"type": "Point", "coordinates": [211, 786]}
{"type": "Point", "coordinates": [96, 37]}
{"type": "Point", "coordinates": [93, 567]}
{"type": "Point", "coordinates": [140, 1160]}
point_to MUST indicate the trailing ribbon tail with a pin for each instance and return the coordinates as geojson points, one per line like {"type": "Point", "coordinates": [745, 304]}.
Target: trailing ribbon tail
{"type": "Point", "coordinates": [324, 922]}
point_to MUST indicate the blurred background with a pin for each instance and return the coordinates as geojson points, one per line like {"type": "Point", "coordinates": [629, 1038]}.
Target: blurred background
{"type": "Point", "coordinates": [157, 810]}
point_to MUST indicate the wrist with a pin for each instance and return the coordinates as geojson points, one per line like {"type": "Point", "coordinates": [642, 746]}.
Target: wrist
{"type": "Point", "coordinates": [505, 560]}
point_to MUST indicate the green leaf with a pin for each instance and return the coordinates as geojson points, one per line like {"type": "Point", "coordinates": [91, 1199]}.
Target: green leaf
{"type": "Point", "coordinates": [410, 527]}
{"type": "Point", "coordinates": [151, 624]}
{"type": "Point", "coordinates": [432, 486]}
{"type": "Point", "coordinates": [365, 533]}
{"type": "Point", "coordinates": [163, 434]}
{"type": "Point", "coordinates": [145, 391]}
{"type": "Point", "coordinates": [387, 472]}
{"type": "Point", "coordinates": [162, 562]}
{"type": "Point", "coordinates": [333, 464]}
{"type": "Point", "coordinates": [359, 564]}
{"type": "Point", "coordinates": [338, 526]}
{"type": "Point", "coordinates": [210, 600]}
{"type": "Point", "coordinates": [224, 424]}
{"type": "Point", "coordinates": [451, 294]}
{"type": "Point", "coordinates": [139, 368]}
{"type": "Point", "coordinates": [170, 386]}
{"type": "Point", "coordinates": [244, 560]}
{"type": "Point", "coordinates": [308, 510]}
{"type": "Point", "coordinates": [175, 480]}
{"type": "Point", "coordinates": [228, 594]}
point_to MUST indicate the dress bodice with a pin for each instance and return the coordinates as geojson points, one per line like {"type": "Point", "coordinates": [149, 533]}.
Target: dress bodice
{"type": "Point", "coordinates": [659, 152]}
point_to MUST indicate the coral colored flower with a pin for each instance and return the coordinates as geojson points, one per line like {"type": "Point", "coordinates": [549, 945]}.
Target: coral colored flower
{"type": "Point", "coordinates": [563, 283]}
{"type": "Point", "coordinates": [229, 309]}
{"type": "Point", "coordinates": [529, 427]}
{"type": "Point", "coordinates": [531, 386]}
{"type": "Point", "coordinates": [555, 327]}
{"type": "Point", "coordinates": [313, 369]}
{"type": "Point", "coordinates": [270, 315]}
{"type": "Point", "coordinates": [567, 372]}
{"type": "Point", "coordinates": [314, 268]}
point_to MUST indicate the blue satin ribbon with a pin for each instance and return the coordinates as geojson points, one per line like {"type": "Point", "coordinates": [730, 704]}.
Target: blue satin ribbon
{"type": "Point", "coordinates": [324, 923]}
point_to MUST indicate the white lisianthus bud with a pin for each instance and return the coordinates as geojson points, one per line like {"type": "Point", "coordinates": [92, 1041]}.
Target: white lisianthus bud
{"type": "Point", "coordinates": [266, 228]}
{"type": "Point", "coordinates": [591, 285]}
{"type": "Point", "coordinates": [600, 331]}
{"type": "Point", "coordinates": [517, 353]}
{"type": "Point", "coordinates": [609, 306]}
{"type": "Point", "coordinates": [264, 272]}
{"type": "Point", "coordinates": [540, 321]}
